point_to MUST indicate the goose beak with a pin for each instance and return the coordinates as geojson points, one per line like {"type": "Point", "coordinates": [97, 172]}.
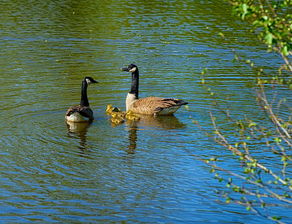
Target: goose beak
{"type": "Point", "coordinates": [90, 80]}
{"type": "Point", "coordinates": [125, 69]}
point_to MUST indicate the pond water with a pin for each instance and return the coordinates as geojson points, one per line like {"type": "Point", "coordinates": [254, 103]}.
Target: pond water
{"type": "Point", "coordinates": [133, 173]}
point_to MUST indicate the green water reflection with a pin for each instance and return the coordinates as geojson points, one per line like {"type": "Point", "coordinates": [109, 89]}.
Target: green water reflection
{"type": "Point", "coordinates": [134, 173]}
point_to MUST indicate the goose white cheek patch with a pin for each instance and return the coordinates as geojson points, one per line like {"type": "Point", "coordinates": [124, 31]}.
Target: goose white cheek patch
{"type": "Point", "coordinates": [133, 69]}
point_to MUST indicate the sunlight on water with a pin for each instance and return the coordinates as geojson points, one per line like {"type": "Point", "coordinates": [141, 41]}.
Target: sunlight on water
{"type": "Point", "coordinates": [135, 172]}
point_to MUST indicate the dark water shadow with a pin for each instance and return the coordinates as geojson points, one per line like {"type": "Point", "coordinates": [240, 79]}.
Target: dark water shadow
{"type": "Point", "coordinates": [160, 122]}
{"type": "Point", "coordinates": [163, 122]}
{"type": "Point", "coordinates": [79, 131]}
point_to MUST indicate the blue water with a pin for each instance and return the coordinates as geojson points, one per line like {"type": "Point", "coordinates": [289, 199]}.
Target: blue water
{"type": "Point", "coordinates": [148, 172]}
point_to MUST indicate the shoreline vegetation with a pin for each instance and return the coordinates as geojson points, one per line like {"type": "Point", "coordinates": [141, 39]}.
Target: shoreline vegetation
{"type": "Point", "coordinates": [261, 187]}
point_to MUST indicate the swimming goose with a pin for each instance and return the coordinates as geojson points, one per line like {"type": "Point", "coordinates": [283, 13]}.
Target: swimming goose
{"type": "Point", "coordinates": [149, 105]}
{"type": "Point", "coordinates": [82, 112]}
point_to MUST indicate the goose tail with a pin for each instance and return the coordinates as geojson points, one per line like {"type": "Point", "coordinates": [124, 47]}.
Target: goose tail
{"type": "Point", "coordinates": [175, 102]}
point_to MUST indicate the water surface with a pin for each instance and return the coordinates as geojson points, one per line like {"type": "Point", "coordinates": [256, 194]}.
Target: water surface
{"type": "Point", "coordinates": [143, 172]}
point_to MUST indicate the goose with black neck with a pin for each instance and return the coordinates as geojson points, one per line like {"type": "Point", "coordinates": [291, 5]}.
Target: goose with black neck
{"type": "Point", "coordinates": [148, 105]}
{"type": "Point", "coordinates": [81, 112]}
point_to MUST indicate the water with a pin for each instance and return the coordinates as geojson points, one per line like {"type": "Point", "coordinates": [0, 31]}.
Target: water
{"type": "Point", "coordinates": [133, 173]}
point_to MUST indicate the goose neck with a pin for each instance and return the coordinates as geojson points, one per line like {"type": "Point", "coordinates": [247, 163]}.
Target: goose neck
{"type": "Point", "coordinates": [135, 83]}
{"type": "Point", "coordinates": [84, 99]}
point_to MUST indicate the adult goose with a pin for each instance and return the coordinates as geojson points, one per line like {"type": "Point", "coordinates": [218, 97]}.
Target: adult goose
{"type": "Point", "coordinates": [82, 112]}
{"type": "Point", "coordinates": [149, 105]}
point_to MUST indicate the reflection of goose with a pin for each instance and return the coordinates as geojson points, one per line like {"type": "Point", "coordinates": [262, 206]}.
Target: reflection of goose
{"type": "Point", "coordinates": [149, 105]}
{"type": "Point", "coordinates": [164, 122]}
{"type": "Point", "coordinates": [132, 138]}
{"type": "Point", "coordinates": [82, 112]}
{"type": "Point", "coordinates": [79, 130]}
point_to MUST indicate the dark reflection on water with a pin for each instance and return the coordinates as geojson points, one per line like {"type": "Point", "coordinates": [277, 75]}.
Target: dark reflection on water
{"type": "Point", "coordinates": [132, 138]}
{"type": "Point", "coordinates": [164, 122]}
{"type": "Point", "coordinates": [141, 172]}
{"type": "Point", "coordinates": [78, 130]}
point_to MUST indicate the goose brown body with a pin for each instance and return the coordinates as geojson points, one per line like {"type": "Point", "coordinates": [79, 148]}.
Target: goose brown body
{"type": "Point", "coordinates": [156, 106]}
{"type": "Point", "coordinates": [149, 105]}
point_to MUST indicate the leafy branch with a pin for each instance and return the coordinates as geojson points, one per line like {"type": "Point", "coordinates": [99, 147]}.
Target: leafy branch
{"type": "Point", "coordinates": [271, 21]}
{"type": "Point", "coordinates": [253, 182]}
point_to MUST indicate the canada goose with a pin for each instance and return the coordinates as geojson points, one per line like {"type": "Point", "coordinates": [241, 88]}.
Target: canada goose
{"type": "Point", "coordinates": [82, 112]}
{"type": "Point", "coordinates": [149, 105]}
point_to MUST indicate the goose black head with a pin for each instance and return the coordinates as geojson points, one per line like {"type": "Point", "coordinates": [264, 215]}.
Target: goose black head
{"type": "Point", "coordinates": [131, 68]}
{"type": "Point", "coordinates": [89, 80]}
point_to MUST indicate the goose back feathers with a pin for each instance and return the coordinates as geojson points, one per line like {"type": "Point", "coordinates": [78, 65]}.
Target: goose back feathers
{"type": "Point", "coordinates": [79, 114]}
{"type": "Point", "coordinates": [156, 106]}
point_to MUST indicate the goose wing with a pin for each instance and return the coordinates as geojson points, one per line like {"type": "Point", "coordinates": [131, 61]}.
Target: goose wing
{"type": "Point", "coordinates": [84, 111]}
{"type": "Point", "coordinates": [153, 105]}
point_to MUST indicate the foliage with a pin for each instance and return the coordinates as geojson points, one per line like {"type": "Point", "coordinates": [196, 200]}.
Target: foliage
{"type": "Point", "coordinates": [272, 21]}
{"type": "Point", "coordinates": [255, 183]}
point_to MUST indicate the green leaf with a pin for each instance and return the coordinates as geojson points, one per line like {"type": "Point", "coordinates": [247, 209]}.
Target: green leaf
{"type": "Point", "coordinates": [269, 38]}
{"type": "Point", "coordinates": [221, 35]}
{"type": "Point", "coordinates": [204, 71]}
{"type": "Point", "coordinates": [277, 140]}
{"type": "Point", "coordinates": [244, 8]}
{"type": "Point", "coordinates": [283, 158]}
{"type": "Point", "coordinates": [284, 51]}
{"type": "Point", "coordinates": [252, 124]}
{"type": "Point", "coordinates": [276, 218]}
